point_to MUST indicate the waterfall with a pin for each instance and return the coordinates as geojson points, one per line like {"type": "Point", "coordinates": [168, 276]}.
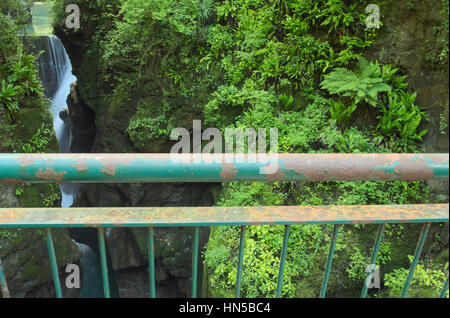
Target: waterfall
{"type": "Point", "coordinates": [53, 63]}
{"type": "Point", "coordinates": [56, 75]}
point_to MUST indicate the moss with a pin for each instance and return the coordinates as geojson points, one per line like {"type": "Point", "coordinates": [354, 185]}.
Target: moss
{"type": "Point", "coordinates": [142, 241]}
{"type": "Point", "coordinates": [29, 247]}
{"type": "Point", "coordinates": [89, 87]}
{"type": "Point", "coordinates": [30, 120]}
{"type": "Point", "coordinates": [443, 257]}
{"type": "Point", "coordinates": [7, 141]}
{"type": "Point", "coordinates": [39, 195]}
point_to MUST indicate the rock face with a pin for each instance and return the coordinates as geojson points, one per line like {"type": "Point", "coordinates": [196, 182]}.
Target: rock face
{"type": "Point", "coordinates": [82, 122]}
{"type": "Point", "coordinates": [99, 132]}
{"type": "Point", "coordinates": [128, 248]}
{"type": "Point", "coordinates": [25, 257]}
{"type": "Point", "coordinates": [409, 41]}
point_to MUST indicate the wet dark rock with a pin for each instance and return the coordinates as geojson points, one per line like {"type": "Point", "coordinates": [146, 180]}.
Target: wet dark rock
{"type": "Point", "coordinates": [82, 120]}
{"type": "Point", "coordinates": [64, 114]}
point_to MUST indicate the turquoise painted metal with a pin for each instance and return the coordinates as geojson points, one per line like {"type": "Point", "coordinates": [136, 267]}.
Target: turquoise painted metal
{"type": "Point", "coordinates": [61, 168]}
{"type": "Point", "coordinates": [195, 248]}
{"type": "Point", "coordinates": [3, 284]}
{"type": "Point", "coordinates": [240, 261]}
{"type": "Point", "coordinates": [103, 262]}
{"type": "Point", "coordinates": [323, 291]}
{"type": "Point", "coordinates": [373, 258]}
{"type": "Point", "coordinates": [53, 265]}
{"type": "Point", "coordinates": [282, 260]}
{"type": "Point", "coordinates": [444, 289]}
{"type": "Point", "coordinates": [48, 168]}
{"type": "Point", "coordinates": [151, 261]}
{"type": "Point", "coordinates": [423, 237]}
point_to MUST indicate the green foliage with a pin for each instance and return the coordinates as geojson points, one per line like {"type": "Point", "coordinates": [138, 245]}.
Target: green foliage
{"type": "Point", "coordinates": [260, 268]}
{"type": "Point", "coordinates": [19, 190]}
{"type": "Point", "coordinates": [18, 71]}
{"type": "Point", "coordinates": [428, 280]}
{"type": "Point", "coordinates": [362, 85]}
{"type": "Point", "coordinates": [23, 106]}
{"type": "Point", "coordinates": [259, 64]}
{"type": "Point", "coordinates": [379, 86]}
{"type": "Point", "coordinates": [17, 10]}
{"type": "Point", "coordinates": [351, 140]}
{"type": "Point", "coordinates": [8, 38]}
{"type": "Point", "coordinates": [51, 197]}
{"type": "Point", "coordinates": [143, 130]}
{"type": "Point", "coordinates": [399, 122]}
{"type": "Point", "coordinates": [39, 141]}
{"type": "Point", "coordinates": [437, 49]}
{"type": "Point", "coordinates": [8, 99]}
{"type": "Point", "coordinates": [341, 112]}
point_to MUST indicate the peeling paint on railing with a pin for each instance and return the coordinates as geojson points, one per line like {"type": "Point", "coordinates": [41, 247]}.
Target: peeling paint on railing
{"type": "Point", "coordinates": [61, 168]}
{"type": "Point", "coordinates": [217, 216]}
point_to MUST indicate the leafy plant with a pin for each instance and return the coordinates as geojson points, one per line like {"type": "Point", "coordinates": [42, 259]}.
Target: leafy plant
{"type": "Point", "coordinates": [400, 120]}
{"type": "Point", "coordinates": [286, 101]}
{"type": "Point", "coordinates": [340, 111]}
{"type": "Point", "coordinates": [143, 129]}
{"type": "Point", "coordinates": [364, 84]}
{"type": "Point", "coordinates": [39, 141]}
{"type": "Point", "coordinates": [8, 99]}
{"type": "Point", "coordinates": [428, 280]}
{"type": "Point", "coordinates": [206, 10]}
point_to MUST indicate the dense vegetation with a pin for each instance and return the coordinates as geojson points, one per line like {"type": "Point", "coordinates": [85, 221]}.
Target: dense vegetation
{"type": "Point", "coordinates": [298, 66]}
{"type": "Point", "coordinates": [25, 127]}
{"type": "Point", "coordinates": [25, 122]}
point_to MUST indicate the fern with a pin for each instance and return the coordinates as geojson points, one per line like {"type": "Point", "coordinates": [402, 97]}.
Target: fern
{"type": "Point", "coordinates": [399, 122]}
{"type": "Point", "coordinates": [362, 85]}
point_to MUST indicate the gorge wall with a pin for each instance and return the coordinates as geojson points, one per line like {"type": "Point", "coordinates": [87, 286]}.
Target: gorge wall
{"type": "Point", "coordinates": [103, 131]}
{"type": "Point", "coordinates": [413, 37]}
{"type": "Point", "coordinates": [24, 251]}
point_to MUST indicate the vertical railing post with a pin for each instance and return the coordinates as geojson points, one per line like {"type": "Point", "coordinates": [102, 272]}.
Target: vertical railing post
{"type": "Point", "coordinates": [151, 261]}
{"type": "Point", "coordinates": [103, 262]}
{"type": "Point", "coordinates": [329, 261]}
{"type": "Point", "coordinates": [282, 260]}
{"type": "Point", "coordinates": [373, 259]}
{"type": "Point", "coordinates": [444, 289]}
{"type": "Point", "coordinates": [3, 285]}
{"type": "Point", "coordinates": [423, 236]}
{"type": "Point", "coordinates": [240, 261]}
{"type": "Point", "coordinates": [195, 262]}
{"type": "Point", "coordinates": [53, 265]}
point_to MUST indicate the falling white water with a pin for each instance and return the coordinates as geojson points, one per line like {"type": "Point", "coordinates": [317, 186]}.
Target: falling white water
{"type": "Point", "coordinates": [56, 69]}
{"type": "Point", "coordinates": [58, 104]}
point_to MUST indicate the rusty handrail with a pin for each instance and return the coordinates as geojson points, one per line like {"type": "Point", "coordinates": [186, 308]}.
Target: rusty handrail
{"type": "Point", "coordinates": [62, 168]}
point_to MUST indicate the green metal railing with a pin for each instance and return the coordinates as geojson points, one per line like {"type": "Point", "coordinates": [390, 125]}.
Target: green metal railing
{"type": "Point", "coordinates": [213, 168]}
